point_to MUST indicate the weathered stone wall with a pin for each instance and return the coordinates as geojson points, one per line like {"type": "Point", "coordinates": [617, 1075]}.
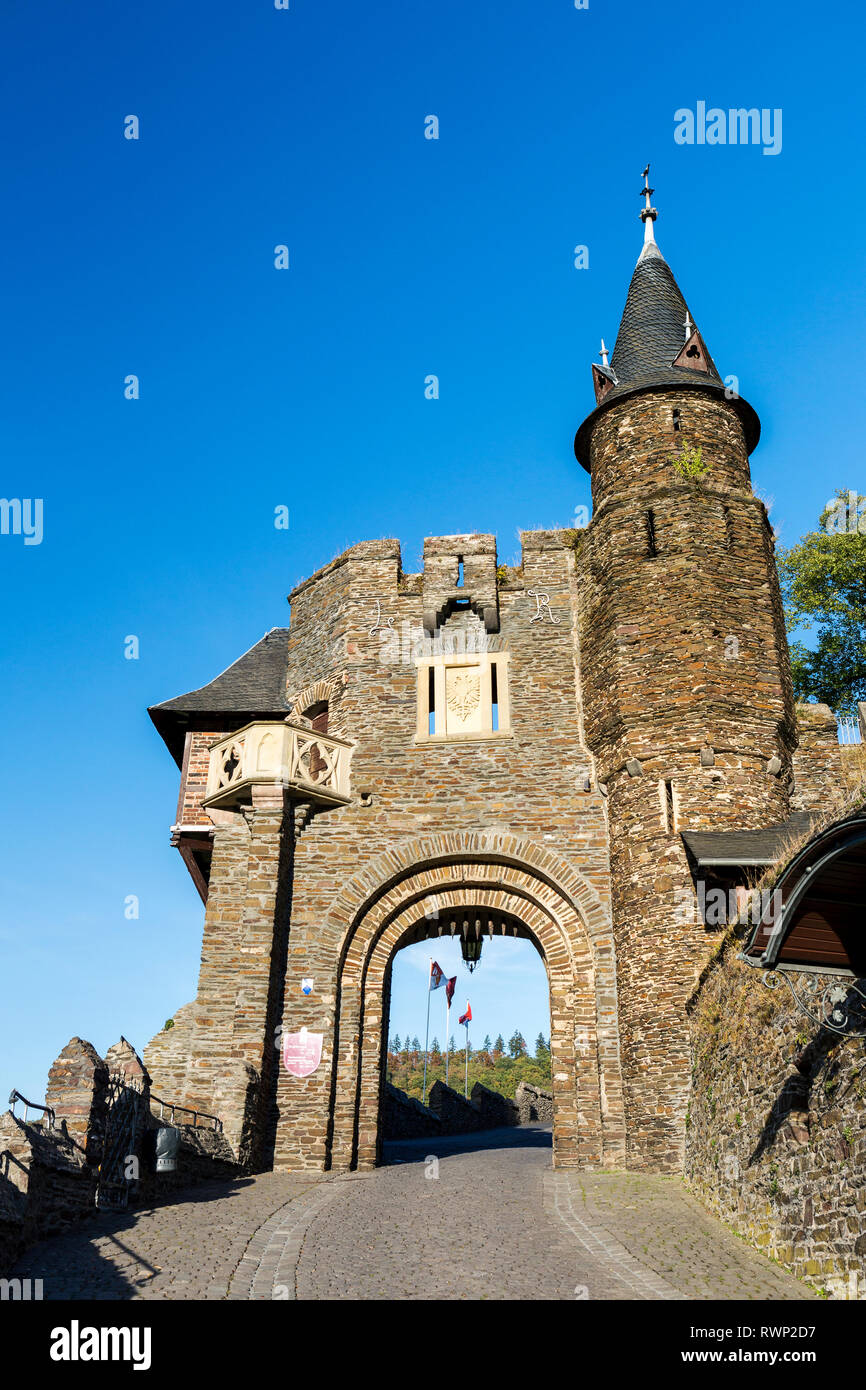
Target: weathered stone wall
{"type": "Point", "coordinates": [534, 1106]}
{"type": "Point", "coordinates": [76, 1092]}
{"type": "Point", "coordinates": [495, 1110]}
{"type": "Point", "coordinates": [776, 1135]}
{"type": "Point", "coordinates": [686, 683]}
{"type": "Point", "coordinates": [233, 1045]}
{"type": "Point", "coordinates": [525, 788]}
{"type": "Point", "coordinates": [404, 1117]}
{"type": "Point", "coordinates": [45, 1181]}
{"type": "Point", "coordinates": [166, 1056]}
{"type": "Point", "coordinates": [818, 764]}
{"type": "Point", "coordinates": [50, 1174]}
{"type": "Point", "coordinates": [448, 1112]}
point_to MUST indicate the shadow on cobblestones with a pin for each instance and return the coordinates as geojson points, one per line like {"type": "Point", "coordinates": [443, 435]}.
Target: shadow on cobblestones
{"type": "Point", "coordinates": [110, 1255]}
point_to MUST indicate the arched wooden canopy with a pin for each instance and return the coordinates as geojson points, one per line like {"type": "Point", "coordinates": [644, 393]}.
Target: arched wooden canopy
{"type": "Point", "coordinates": [822, 893]}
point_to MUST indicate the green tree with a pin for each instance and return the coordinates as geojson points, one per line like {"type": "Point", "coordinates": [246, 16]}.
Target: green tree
{"type": "Point", "coordinates": [823, 579]}
{"type": "Point", "coordinates": [396, 1045]}
{"type": "Point", "coordinates": [542, 1049]}
{"type": "Point", "coordinates": [517, 1044]}
{"type": "Point", "coordinates": [487, 1043]}
{"type": "Point", "coordinates": [499, 1045]}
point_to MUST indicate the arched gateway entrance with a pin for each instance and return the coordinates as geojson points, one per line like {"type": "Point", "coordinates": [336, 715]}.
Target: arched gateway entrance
{"type": "Point", "coordinates": [489, 877]}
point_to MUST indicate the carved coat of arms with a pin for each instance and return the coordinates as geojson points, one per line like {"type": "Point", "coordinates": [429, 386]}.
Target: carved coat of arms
{"type": "Point", "coordinates": [464, 693]}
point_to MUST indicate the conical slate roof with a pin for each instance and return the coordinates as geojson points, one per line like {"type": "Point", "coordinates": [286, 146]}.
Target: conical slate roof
{"type": "Point", "coordinates": [651, 335]}
{"type": "Point", "coordinates": [652, 329]}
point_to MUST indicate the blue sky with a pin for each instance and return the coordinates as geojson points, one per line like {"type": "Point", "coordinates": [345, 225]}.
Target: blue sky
{"type": "Point", "coordinates": [305, 387]}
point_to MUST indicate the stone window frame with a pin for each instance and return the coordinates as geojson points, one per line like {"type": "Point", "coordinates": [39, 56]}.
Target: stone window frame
{"type": "Point", "coordinates": [439, 664]}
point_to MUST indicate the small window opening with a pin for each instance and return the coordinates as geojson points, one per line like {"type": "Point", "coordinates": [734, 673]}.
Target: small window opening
{"type": "Point", "coordinates": [669, 807]}
{"type": "Point", "coordinates": [494, 688]}
{"type": "Point", "coordinates": [651, 547]}
{"type": "Point", "coordinates": [318, 716]}
{"type": "Point", "coordinates": [676, 419]}
{"type": "Point", "coordinates": [729, 528]}
{"type": "Point", "coordinates": [431, 701]}
{"type": "Point", "coordinates": [459, 571]}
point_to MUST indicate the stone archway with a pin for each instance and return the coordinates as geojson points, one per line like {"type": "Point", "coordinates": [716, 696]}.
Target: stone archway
{"type": "Point", "coordinates": [570, 926]}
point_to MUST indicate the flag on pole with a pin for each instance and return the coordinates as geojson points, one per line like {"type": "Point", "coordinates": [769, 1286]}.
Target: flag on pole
{"type": "Point", "coordinates": [467, 1017]}
{"type": "Point", "coordinates": [450, 987]}
{"type": "Point", "coordinates": [437, 975]}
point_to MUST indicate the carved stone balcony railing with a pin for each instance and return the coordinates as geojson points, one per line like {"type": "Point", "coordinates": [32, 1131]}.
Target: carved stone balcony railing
{"type": "Point", "coordinates": [309, 765]}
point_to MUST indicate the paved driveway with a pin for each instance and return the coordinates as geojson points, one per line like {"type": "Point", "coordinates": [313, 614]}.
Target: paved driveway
{"type": "Point", "coordinates": [480, 1217]}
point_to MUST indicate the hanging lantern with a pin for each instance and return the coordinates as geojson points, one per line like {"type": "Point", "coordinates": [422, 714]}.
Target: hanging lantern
{"type": "Point", "coordinates": [470, 945]}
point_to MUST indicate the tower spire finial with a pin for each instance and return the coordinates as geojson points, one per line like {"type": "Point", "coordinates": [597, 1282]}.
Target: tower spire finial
{"type": "Point", "coordinates": [648, 213]}
{"type": "Point", "coordinates": [604, 354]}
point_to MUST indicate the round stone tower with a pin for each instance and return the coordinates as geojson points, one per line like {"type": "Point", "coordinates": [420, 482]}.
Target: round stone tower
{"type": "Point", "coordinates": [688, 702]}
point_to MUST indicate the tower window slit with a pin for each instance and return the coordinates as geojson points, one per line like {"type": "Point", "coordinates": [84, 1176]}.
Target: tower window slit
{"type": "Point", "coordinates": [460, 572]}
{"type": "Point", "coordinates": [729, 528]}
{"type": "Point", "coordinates": [494, 689]}
{"type": "Point", "coordinates": [676, 419]}
{"type": "Point", "coordinates": [431, 701]}
{"type": "Point", "coordinates": [669, 806]}
{"type": "Point", "coordinates": [652, 548]}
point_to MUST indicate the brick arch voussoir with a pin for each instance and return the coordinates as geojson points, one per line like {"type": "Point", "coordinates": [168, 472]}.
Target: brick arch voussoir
{"type": "Point", "coordinates": [369, 890]}
{"type": "Point", "coordinates": [559, 929]}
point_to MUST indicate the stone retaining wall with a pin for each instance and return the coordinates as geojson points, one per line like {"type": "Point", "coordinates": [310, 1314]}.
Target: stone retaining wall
{"type": "Point", "coordinates": [776, 1127]}
{"type": "Point", "coordinates": [534, 1106]}
{"type": "Point", "coordinates": [449, 1112]}
{"type": "Point", "coordinates": [49, 1174]}
{"type": "Point", "coordinates": [406, 1118]}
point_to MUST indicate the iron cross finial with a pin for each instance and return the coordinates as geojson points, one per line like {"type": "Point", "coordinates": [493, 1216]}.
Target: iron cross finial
{"type": "Point", "coordinates": [648, 213]}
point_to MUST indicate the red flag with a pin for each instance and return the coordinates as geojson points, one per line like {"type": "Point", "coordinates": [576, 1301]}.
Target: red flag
{"type": "Point", "coordinates": [467, 1017]}
{"type": "Point", "coordinates": [437, 975]}
{"type": "Point", "coordinates": [450, 986]}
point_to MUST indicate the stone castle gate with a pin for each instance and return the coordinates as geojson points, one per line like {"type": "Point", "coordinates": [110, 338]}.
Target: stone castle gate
{"type": "Point", "coordinates": [502, 884]}
{"type": "Point", "coordinates": [570, 747]}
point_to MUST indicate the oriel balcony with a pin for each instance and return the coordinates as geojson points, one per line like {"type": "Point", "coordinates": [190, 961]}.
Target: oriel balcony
{"type": "Point", "coordinates": [311, 766]}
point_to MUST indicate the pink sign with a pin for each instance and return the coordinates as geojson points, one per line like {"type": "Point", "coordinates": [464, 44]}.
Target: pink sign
{"type": "Point", "coordinates": [302, 1052]}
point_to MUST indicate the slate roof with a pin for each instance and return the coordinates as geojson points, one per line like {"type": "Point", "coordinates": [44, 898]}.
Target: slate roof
{"type": "Point", "coordinates": [253, 686]}
{"type": "Point", "coordinates": [651, 334]}
{"type": "Point", "coordinates": [651, 331]}
{"type": "Point", "coordinates": [742, 848]}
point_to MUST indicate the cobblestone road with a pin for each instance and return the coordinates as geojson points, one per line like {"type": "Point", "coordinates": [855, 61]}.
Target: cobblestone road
{"type": "Point", "coordinates": [489, 1220]}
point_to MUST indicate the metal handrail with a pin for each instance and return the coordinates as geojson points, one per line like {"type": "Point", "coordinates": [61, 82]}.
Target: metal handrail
{"type": "Point", "coordinates": [217, 1122]}
{"type": "Point", "coordinates": [31, 1105]}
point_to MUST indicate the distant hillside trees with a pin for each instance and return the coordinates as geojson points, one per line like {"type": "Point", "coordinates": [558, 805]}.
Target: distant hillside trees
{"type": "Point", "coordinates": [497, 1067]}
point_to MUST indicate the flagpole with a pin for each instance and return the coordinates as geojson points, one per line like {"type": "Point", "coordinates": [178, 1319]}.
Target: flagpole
{"type": "Point", "coordinates": [447, 1030]}
{"type": "Point", "coordinates": [427, 1033]}
{"type": "Point", "coordinates": [466, 1081]}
